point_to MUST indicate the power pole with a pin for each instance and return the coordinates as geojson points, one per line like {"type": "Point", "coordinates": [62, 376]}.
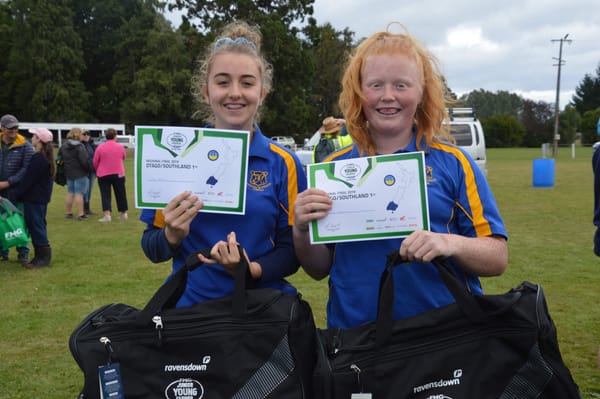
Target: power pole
{"type": "Point", "coordinates": [556, 103]}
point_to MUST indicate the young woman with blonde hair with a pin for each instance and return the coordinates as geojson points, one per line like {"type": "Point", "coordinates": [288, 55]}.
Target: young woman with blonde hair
{"type": "Point", "coordinates": [231, 85]}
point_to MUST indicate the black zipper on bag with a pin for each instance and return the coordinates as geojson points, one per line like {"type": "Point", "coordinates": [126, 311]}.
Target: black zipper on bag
{"type": "Point", "coordinates": [177, 330]}
{"type": "Point", "coordinates": [170, 330]}
{"type": "Point", "coordinates": [100, 319]}
{"type": "Point", "coordinates": [91, 320]}
{"type": "Point", "coordinates": [197, 319]}
{"type": "Point", "coordinates": [166, 333]}
{"type": "Point", "coordinates": [100, 324]}
{"type": "Point", "coordinates": [374, 358]}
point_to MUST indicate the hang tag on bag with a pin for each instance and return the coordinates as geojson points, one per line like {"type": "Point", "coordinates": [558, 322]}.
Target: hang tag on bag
{"type": "Point", "coordinates": [361, 395]}
{"type": "Point", "coordinates": [111, 383]}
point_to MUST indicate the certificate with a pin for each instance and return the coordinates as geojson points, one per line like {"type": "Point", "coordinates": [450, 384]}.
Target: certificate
{"type": "Point", "coordinates": [211, 163]}
{"type": "Point", "coordinates": [373, 197]}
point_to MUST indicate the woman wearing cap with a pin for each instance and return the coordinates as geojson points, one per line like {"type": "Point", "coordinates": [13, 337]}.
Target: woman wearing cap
{"type": "Point", "coordinates": [34, 192]}
{"type": "Point", "coordinates": [14, 159]}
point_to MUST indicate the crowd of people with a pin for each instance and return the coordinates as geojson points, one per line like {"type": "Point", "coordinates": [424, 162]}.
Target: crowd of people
{"type": "Point", "coordinates": [27, 171]}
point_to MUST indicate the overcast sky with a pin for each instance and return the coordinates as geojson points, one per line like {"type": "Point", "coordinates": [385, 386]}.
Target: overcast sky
{"type": "Point", "coordinates": [491, 45]}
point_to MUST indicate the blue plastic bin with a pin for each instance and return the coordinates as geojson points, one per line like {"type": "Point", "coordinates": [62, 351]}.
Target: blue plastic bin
{"type": "Point", "coordinates": [543, 172]}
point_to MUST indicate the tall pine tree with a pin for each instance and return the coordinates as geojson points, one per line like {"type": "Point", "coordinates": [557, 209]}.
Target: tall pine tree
{"type": "Point", "coordinates": [587, 94]}
{"type": "Point", "coordinates": [46, 63]}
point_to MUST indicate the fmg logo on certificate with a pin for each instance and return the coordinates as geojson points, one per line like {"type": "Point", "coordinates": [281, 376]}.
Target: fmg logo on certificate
{"type": "Point", "coordinates": [373, 197]}
{"type": "Point", "coordinates": [211, 163]}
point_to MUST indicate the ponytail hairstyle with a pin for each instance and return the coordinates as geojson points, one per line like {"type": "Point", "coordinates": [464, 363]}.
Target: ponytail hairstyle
{"type": "Point", "coordinates": [47, 151]}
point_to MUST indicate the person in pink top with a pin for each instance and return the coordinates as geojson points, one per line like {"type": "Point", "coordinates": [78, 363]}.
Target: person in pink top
{"type": "Point", "coordinates": [110, 169]}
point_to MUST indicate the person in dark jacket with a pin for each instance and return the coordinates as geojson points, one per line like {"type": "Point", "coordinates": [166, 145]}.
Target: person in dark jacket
{"type": "Point", "coordinates": [596, 170]}
{"type": "Point", "coordinates": [333, 137]}
{"type": "Point", "coordinates": [15, 155]}
{"type": "Point", "coordinates": [34, 192]}
{"type": "Point", "coordinates": [77, 169]}
{"type": "Point", "coordinates": [90, 147]}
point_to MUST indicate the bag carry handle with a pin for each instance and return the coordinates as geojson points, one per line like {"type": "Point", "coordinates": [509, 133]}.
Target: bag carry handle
{"type": "Point", "coordinates": [9, 207]}
{"type": "Point", "coordinates": [169, 293]}
{"type": "Point", "coordinates": [385, 309]}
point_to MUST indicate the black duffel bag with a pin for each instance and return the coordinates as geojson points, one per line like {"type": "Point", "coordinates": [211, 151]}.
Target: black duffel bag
{"type": "Point", "coordinates": [483, 346]}
{"type": "Point", "coordinates": [255, 343]}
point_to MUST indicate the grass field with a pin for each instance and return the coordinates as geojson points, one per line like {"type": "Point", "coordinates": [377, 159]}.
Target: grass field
{"type": "Point", "coordinates": [94, 264]}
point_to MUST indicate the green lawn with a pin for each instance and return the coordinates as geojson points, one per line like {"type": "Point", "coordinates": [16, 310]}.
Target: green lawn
{"type": "Point", "coordinates": [98, 263]}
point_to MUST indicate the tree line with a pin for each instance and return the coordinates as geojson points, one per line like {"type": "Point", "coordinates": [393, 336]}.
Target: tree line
{"type": "Point", "coordinates": [122, 61]}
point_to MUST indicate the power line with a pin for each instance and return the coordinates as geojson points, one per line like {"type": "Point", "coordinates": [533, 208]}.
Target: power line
{"type": "Point", "coordinates": [556, 103]}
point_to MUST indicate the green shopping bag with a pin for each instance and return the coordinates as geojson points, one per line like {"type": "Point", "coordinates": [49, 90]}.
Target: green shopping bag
{"type": "Point", "coordinates": [13, 230]}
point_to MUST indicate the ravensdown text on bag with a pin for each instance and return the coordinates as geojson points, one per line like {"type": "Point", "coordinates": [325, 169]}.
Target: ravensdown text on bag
{"type": "Point", "coordinates": [483, 346]}
{"type": "Point", "coordinates": [256, 343]}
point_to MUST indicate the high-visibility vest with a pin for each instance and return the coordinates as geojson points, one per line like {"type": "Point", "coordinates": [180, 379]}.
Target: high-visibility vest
{"type": "Point", "coordinates": [328, 144]}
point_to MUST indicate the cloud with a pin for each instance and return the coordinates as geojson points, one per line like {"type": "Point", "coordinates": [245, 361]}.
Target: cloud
{"type": "Point", "coordinates": [462, 37]}
{"type": "Point", "coordinates": [489, 45]}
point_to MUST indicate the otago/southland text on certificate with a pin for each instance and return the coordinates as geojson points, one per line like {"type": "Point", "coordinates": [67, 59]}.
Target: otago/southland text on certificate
{"type": "Point", "coordinates": [211, 163]}
{"type": "Point", "coordinates": [373, 197]}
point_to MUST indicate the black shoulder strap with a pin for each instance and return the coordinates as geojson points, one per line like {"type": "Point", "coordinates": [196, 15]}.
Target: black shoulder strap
{"type": "Point", "coordinates": [169, 293]}
{"type": "Point", "coordinates": [385, 308]}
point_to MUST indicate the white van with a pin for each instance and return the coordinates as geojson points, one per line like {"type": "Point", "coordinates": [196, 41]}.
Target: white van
{"type": "Point", "coordinates": [306, 152]}
{"type": "Point", "coordinates": [464, 127]}
{"type": "Point", "coordinates": [468, 133]}
{"type": "Point", "coordinates": [286, 141]}
{"type": "Point", "coordinates": [126, 140]}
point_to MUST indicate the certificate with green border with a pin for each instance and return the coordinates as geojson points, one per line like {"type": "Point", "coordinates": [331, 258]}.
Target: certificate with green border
{"type": "Point", "coordinates": [373, 197]}
{"type": "Point", "coordinates": [211, 163]}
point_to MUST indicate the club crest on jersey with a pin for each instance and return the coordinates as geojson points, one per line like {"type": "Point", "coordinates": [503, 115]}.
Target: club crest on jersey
{"type": "Point", "coordinates": [258, 180]}
{"type": "Point", "coordinates": [429, 174]}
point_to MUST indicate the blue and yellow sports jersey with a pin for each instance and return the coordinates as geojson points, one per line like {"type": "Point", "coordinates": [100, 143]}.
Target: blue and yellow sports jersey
{"type": "Point", "coordinates": [275, 177]}
{"type": "Point", "coordinates": [460, 202]}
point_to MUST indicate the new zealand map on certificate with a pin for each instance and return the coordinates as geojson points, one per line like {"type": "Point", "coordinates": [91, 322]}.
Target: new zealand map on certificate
{"type": "Point", "coordinates": [210, 163]}
{"type": "Point", "coordinates": [373, 197]}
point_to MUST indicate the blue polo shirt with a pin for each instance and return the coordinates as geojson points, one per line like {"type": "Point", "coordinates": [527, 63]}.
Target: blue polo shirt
{"type": "Point", "coordinates": [460, 202]}
{"type": "Point", "coordinates": [275, 177]}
